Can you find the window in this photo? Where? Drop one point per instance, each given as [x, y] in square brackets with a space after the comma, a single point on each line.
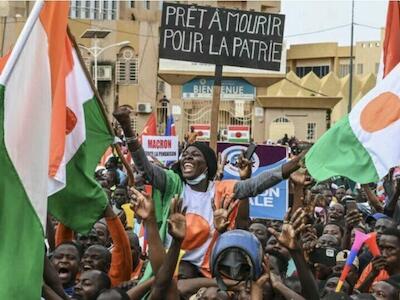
[87, 9]
[344, 69]
[311, 131]
[320, 71]
[78, 9]
[114, 10]
[96, 10]
[132, 3]
[147, 4]
[376, 68]
[360, 69]
[127, 67]
[161, 86]
[281, 120]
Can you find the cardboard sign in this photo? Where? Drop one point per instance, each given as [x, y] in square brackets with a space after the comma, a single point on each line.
[273, 203]
[221, 36]
[164, 148]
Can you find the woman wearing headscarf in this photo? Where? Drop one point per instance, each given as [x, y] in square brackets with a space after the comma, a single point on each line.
[193, 179]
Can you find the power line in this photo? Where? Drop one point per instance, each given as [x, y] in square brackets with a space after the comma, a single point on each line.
[333, 28]
[318, 31]
[368, 26]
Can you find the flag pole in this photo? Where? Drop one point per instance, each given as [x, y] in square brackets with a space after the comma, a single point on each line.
[21, 41]
[351, 59]
[96, 93]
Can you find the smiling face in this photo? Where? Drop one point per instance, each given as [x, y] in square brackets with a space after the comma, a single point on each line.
[192, 163]
[66, 262]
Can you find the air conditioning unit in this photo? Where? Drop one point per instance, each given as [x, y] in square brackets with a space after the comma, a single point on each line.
[104, 73]
[144, 108]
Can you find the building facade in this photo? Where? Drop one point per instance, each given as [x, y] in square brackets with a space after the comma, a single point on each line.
[127, 74]
[303, 98]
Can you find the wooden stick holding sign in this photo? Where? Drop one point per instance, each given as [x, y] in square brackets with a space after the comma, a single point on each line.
[215, 107]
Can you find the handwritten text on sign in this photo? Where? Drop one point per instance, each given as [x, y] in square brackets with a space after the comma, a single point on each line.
[221, 36]
[164, 148]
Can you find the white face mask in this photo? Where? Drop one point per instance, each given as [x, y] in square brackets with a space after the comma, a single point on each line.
[198, 179]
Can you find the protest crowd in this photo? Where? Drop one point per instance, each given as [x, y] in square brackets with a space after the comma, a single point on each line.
[134, 226]
[183, 232]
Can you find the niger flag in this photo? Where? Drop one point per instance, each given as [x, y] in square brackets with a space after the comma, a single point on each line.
[52, 134]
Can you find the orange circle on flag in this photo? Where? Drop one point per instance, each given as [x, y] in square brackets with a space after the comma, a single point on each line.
[197, 231]
[380, 112]
[71, 121]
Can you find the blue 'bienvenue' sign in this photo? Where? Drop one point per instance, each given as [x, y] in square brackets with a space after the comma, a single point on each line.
[272, 203]
[231, 89]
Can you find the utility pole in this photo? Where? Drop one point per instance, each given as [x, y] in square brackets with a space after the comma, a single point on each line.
[351, 58]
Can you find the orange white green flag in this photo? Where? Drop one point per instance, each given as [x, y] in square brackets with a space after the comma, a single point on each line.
[52, 134]
[363, 146]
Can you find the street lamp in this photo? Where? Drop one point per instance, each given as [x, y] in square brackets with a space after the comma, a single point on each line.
[96, 51]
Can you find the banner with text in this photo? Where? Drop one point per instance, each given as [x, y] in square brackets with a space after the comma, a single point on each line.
[221, 36]
[273, 203]
[164, 148]
[231, 89]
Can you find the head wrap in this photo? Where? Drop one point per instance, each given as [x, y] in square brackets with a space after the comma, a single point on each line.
[210, 157]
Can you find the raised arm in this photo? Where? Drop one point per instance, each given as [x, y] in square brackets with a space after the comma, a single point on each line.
[121, 258]
[164, 287]
[153, 173]
[256, 185]
[282, 289]
[143, 207]
[289, 239]
[372, 198]
[393, 198]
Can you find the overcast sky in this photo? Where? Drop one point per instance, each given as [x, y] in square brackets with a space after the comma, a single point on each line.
[309, 16]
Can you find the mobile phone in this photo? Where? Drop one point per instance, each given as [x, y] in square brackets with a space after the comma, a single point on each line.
[250, 151]
[351, 205]
[324, 256]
